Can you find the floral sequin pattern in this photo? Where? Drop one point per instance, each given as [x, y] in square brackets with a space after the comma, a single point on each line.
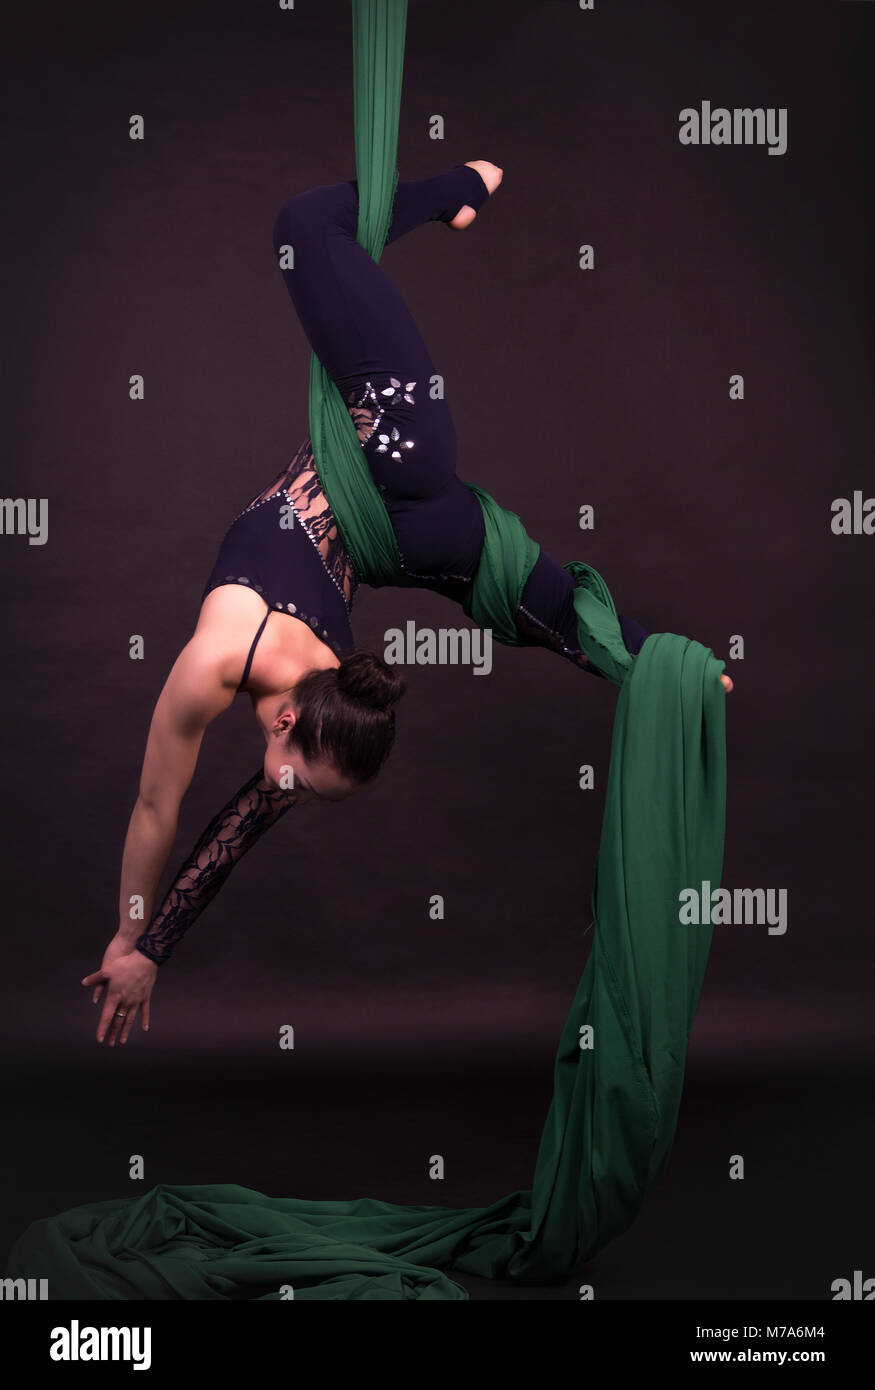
[368, 407]
[393, 444]
[397, 392]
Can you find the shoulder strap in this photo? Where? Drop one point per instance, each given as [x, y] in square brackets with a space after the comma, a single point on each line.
[247, 667]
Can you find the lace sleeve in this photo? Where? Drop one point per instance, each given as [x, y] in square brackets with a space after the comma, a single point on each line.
[252, 810]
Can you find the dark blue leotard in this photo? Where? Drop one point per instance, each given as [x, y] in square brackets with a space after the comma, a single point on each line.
[285, 546]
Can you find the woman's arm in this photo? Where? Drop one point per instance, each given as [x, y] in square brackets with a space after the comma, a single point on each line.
[194, 694]
[128, 972]
[243, 820]
[199, 687]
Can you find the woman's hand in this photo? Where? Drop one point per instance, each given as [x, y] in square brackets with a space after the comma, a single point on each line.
[125, 979]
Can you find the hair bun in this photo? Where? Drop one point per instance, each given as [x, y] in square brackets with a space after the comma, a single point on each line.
[365, 678]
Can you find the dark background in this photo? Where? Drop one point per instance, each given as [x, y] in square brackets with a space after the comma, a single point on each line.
[611, 387]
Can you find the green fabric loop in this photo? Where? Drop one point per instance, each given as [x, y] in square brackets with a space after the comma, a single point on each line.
[506, 561]
[617, 1089]
[598, 628]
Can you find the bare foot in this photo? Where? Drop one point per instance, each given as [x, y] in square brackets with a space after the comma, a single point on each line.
[491, 176]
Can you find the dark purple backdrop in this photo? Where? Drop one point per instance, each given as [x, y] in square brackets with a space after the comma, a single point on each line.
[611, 387]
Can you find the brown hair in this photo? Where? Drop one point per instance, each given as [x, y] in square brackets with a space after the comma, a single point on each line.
[345, 714]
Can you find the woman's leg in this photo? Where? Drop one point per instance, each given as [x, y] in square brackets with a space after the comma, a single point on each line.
[366, 338]
[354, 316]
[546, 615]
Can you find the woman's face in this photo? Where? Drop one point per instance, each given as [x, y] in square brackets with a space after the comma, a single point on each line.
[287, 768]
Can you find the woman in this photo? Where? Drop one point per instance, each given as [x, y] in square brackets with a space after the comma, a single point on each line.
[325, 710]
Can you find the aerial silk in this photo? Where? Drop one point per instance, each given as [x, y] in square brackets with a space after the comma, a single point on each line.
[619, 1067]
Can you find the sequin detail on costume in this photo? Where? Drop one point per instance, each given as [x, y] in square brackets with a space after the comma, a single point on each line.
[388, 396]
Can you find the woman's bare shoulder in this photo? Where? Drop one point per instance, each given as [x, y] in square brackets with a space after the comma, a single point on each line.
[228, 620]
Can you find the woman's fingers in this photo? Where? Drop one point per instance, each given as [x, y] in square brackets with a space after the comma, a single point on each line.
[118, 1022]
[118, 1015]
[108, 1021]
[127, 1022]
[97, 979]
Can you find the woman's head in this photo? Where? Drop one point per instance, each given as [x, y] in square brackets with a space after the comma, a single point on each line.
[338, 728]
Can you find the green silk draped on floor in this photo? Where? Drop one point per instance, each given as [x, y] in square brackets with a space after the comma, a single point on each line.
[609, 1130]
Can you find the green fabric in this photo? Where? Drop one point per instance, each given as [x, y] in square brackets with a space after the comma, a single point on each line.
[378, 61]
[610, 1126]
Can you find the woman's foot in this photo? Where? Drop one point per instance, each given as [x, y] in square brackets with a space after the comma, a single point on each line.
[491, 176]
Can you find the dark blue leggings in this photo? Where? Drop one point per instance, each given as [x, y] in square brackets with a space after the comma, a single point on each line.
[363, 333]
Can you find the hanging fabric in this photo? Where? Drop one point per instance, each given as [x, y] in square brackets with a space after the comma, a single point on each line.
[619, 1067]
